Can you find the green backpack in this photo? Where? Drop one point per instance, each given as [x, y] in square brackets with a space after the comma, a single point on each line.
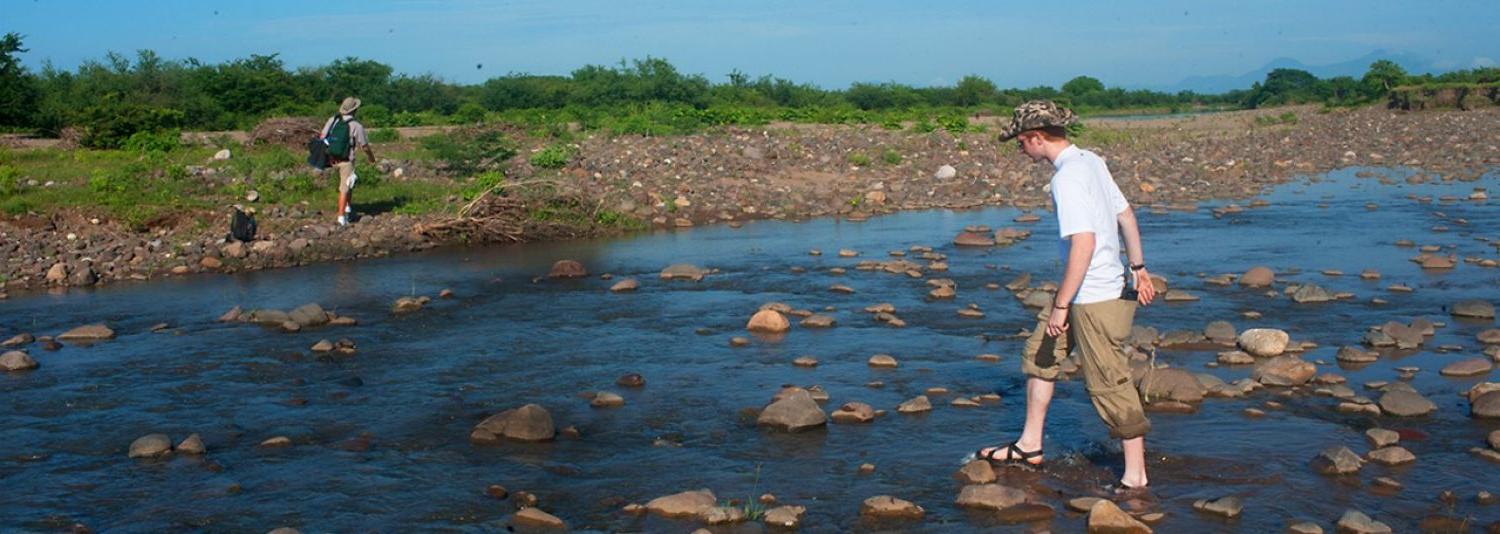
[338, 138]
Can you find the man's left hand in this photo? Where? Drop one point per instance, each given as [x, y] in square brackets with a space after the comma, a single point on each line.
[1144, 287]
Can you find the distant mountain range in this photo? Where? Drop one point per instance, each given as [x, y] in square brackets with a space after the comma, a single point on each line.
[1354, 67]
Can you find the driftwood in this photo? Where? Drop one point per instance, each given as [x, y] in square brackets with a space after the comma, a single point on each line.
[503, 214]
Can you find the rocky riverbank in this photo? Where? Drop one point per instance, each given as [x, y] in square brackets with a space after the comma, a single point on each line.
[791, 172]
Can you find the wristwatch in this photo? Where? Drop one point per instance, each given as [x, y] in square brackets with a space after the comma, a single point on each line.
[1137, 266]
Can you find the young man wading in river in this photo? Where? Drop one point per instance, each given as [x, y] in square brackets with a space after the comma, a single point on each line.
[1092, 310]
[344, 134]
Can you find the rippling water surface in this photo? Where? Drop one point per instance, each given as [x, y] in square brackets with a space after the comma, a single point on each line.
[380, 438]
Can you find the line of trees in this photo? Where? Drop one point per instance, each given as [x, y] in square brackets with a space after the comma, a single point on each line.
[112, 98]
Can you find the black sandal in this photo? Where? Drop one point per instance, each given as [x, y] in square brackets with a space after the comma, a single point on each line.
[1013, 455]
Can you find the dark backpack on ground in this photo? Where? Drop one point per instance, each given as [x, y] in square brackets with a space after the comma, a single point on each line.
[241, 226]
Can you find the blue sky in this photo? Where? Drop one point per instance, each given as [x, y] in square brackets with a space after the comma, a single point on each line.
[832, 43]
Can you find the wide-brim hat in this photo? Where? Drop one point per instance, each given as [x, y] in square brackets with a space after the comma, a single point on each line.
[349, 105]
[1035, 115]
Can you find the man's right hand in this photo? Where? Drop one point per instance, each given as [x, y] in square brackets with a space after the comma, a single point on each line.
[1145, 289]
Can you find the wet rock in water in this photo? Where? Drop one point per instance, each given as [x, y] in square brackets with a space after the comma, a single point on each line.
[971, 239]
[605, 399]
[1171, 384]
[1475, 309]
[1235, 357]
[888, 507]
[24, 338]
[685, 504]
[784, 516]
[842, 289]
[866, 468]
[1337, 461]
[768, 321]
[847, 253]
[722, 515]
[919, 404]
[794, 412]
[276, 442]
[1221, 332]
[884, 307]
[309, 314]
[683, 271]
[407, 305]
[854, 412]
[322, 345]
[1468, 367]
[805, 361]
[883, 361]
[1404, 336]
[1178, 295]
[628, 284]
[1107, 518]
[1494, 439]
[976, 472]
[1258, 277]
[1380, 437]
[631, 380]
[738, 341]
[1284, 371]
[567, 269]
[1486, 405]
[1038, 299]
[1311, 293]
[1392, 455]
[1349, 354]
[817, 321]
[1355, 522]
[1027, 218]
[527, 423]
[1264, 342]
[1401, 403]
[88, 332]
[193, 444]
[151, 446]
[535, 519]
[989, 497]
[942, 293]
[1082, 504]
[1304, 527]
[1229, 507]
[16, 360]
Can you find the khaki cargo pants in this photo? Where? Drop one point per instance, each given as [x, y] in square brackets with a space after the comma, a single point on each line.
[1099, 330]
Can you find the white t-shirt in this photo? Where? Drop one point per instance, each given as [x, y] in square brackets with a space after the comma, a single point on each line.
[1088, 200]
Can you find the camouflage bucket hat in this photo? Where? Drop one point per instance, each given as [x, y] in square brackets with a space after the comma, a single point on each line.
[1037, 114]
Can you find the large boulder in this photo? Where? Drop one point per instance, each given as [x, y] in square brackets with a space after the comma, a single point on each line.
[685, 504]
[1474, 309]
[1171, 384]
[16, 361]
[88, 332]
[1284, 371]
[1258, 277]
[1468, 367]
[534, 519]
[527, 423]
[989, 497]
[1264, 342]
[1337, 461]
[854, 412]
[1106, 517]
[1486, 406]
[567, 269]
[1403, 403]
[794, 412]
[1308, 293]
[151, 446]
[768, 321]
[1221, 332]
[310, 314]
[1356, 522]
[888, 507]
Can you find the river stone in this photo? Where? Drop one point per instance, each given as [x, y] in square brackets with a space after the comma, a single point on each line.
[1489, 336]
[1354, 522]
[402, 305]
[1494, 439]
[1478, 390]
[1378, 338]
[1392, 455]
[1476, 309]
[768, 321]
[989, 497]
[1486, 405]
[1349, 354]
[1221, 332]
[883, 361]
[1405, 336]
[1235, 357]
[1311, 293]
[1337, 461]
[567, 269]
[1038, 299]
[1284, 371]
[193, 444]
[976, 472]
[1258, 277]
[1171, 384]
[722, 515]
[818, 321]
[1304, 527]
[535, 519]
[1468, 367]
[310, 314]
[888, 507]
[1229, 506]
[683, 271]
[605, 399]
[18, 340]
[941, 293]
[971, 239]
[794, 412]
[1380, 437]
[88, 332]
[918, 404]
[625, 285]
[685, 504]
[527, 423]
[151, 446]
[1264, 342]
[1401, 403]
[945, 172]
[784, 516]
[1107, 518]
[854, 412]
[16, 361]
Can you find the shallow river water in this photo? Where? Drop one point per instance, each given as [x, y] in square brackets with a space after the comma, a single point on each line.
[380, 439]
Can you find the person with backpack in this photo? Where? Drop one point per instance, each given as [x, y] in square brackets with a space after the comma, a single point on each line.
[343, 135]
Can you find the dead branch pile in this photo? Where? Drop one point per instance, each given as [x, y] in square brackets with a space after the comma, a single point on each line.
[504, 214]
[292, 132]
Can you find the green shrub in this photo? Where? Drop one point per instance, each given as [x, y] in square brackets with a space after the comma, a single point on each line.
[468, 113]
[10, 181]
[923, 126]
[859, 159]
[109, 125]
[555, 156]
[466, 152]
[148, 142]
[480, 184]
[111, 185]
[891, 157]
[385, 135]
